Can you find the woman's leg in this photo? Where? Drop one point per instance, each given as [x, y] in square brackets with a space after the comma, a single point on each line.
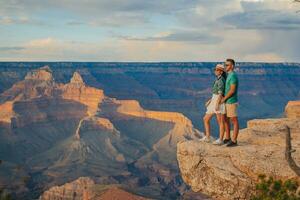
[206, 121]
[221, 122]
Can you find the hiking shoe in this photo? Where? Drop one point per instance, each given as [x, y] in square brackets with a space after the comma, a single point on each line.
[218, 142]
[205, 139]
[231, 144]
[226, 141]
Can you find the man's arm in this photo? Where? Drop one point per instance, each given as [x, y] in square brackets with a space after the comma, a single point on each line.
[230, 92]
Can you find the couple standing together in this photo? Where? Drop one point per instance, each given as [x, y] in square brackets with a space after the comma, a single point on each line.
[223, 104]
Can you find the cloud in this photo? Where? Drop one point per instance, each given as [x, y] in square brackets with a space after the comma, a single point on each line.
[19, 21]
[74, 23]
[281, 42]
[263, 15]
[97, 6]
[270, 57]
[45, 49]
[120, 19]
[180, 36]
[98, 12]
[42, 43]
[157, 30]
[12, 48]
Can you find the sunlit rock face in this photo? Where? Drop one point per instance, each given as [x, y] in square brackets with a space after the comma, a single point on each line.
[292, 109]
[231, 173]
[38, 92]
[63, 131]
[6, 111]
[76, 90]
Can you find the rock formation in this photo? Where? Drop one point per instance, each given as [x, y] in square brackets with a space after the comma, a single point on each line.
[65, 131]
[85, 188]
[75, 190]
[231, 173]
[39, 90]
[94, 123]
[174, 86]
[181, 123]
[76, 90]
[41, 74]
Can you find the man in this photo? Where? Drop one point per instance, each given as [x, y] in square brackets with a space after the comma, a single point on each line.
[231, 103]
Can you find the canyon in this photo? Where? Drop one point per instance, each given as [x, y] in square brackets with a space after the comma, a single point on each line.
[53, 133]
[175, 87]
[132, 129]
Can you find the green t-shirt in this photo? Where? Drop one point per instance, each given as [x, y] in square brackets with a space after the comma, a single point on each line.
[219, 86]
[232, 79]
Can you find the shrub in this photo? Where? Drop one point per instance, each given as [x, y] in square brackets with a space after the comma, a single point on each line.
[4, 195]
[271, 189]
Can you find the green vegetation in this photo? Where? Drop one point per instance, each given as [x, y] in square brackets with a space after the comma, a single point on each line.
[271, 189]
[4, 195]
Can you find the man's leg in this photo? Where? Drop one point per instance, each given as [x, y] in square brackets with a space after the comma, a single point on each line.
[227, 128]
[235, 123]
[206, 121]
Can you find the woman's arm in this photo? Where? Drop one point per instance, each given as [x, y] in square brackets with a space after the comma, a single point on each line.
[221, 88]
[207, 102]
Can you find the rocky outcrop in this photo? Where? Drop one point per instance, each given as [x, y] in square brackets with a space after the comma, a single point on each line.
[39, 91]
[85, 188]
[231, 173]
[41, 74]
[77, 91]
[292, 109]
[95, 123]
[80, 189]
[77, 79]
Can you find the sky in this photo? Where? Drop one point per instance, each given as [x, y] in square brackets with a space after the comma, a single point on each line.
[150, 30]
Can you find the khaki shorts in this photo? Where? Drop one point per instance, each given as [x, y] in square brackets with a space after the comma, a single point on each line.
[231, 109]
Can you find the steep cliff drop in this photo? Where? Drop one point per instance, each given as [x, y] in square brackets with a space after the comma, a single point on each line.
[231, 173]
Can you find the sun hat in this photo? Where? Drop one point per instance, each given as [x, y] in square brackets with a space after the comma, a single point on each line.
[221, 67]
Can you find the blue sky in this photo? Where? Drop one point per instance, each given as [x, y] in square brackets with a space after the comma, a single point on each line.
[143, 30]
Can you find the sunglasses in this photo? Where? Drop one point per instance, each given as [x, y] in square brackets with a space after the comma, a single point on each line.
[218, 70]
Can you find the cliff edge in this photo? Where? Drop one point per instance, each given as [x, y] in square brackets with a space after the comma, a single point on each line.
[231, 173]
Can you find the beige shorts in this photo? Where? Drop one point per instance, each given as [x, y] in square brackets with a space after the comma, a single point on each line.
[231, 109]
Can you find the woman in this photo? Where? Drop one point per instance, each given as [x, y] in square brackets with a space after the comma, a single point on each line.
[214, 106]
